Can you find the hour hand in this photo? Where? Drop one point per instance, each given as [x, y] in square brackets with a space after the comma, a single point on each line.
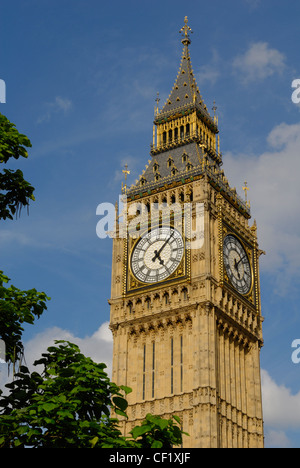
[236, 266]
[157, 256]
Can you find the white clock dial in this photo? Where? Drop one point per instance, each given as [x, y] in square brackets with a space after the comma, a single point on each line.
[237, 264]
[157, 254]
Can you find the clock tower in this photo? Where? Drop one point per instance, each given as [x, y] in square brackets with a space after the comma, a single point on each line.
[185, 295]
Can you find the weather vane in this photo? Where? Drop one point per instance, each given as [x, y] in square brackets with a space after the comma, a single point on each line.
[126, 173]
[246, 188]
[157, 102]
[185, 31]
[214, 108]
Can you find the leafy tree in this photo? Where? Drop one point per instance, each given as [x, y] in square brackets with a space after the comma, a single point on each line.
[16, 306]
[15, 191]
[68, 405]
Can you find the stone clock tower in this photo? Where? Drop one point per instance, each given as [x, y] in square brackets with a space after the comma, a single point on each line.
[185, 297]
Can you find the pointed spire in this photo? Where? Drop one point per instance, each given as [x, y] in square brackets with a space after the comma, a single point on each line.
[185, 94]
[185, 91]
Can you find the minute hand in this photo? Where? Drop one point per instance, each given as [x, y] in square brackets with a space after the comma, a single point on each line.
[240, 260]
[157, 253]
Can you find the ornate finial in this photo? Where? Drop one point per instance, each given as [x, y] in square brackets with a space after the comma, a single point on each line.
[246, 188]
[156, 109]
[214, 108]
[185, 32]
[126, 172]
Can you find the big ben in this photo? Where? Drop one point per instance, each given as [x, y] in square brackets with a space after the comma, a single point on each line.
[185, 295]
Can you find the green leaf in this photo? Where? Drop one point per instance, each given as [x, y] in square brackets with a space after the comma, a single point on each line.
[157, 444]
[22, 430]
[94, 441]
[127, 390]
[49, 420]
[163, 424]
[120, 403]
[62, 398]
[65, 414]
[177, 418]
[121, 413]
[140, 430]
[48, 407]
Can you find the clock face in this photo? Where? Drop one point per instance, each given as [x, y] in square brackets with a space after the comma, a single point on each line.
[237, 264]
[157, 254]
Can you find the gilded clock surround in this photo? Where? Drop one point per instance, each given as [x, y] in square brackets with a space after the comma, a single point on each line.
[157, 254]
[250, 296]
[190, 345]
[131, 284]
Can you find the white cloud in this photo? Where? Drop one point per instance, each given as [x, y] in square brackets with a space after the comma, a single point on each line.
[259, 62]
[274, 193]
[97, 346]
[281, 411]
[62, 104]
[58, 106]
[281, 408]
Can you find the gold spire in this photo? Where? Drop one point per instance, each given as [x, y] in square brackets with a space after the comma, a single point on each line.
[246, 188]
[156, 108]
[214, 108]
[185, 32]
[126, 173]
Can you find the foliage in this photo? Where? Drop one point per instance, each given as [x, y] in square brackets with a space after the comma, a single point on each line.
[15, 191]
[17, 307]
[68, 405]
[156, 432]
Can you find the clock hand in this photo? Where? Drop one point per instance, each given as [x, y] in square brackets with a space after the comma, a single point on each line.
[160, 260]
[236, 267]
[240, 260]
[157, 253]
[157, 256]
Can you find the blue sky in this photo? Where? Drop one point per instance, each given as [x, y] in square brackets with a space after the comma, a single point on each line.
[81, 81]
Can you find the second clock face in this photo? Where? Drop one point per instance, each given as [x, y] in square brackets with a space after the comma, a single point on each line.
[237, 264]
[157, 254]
